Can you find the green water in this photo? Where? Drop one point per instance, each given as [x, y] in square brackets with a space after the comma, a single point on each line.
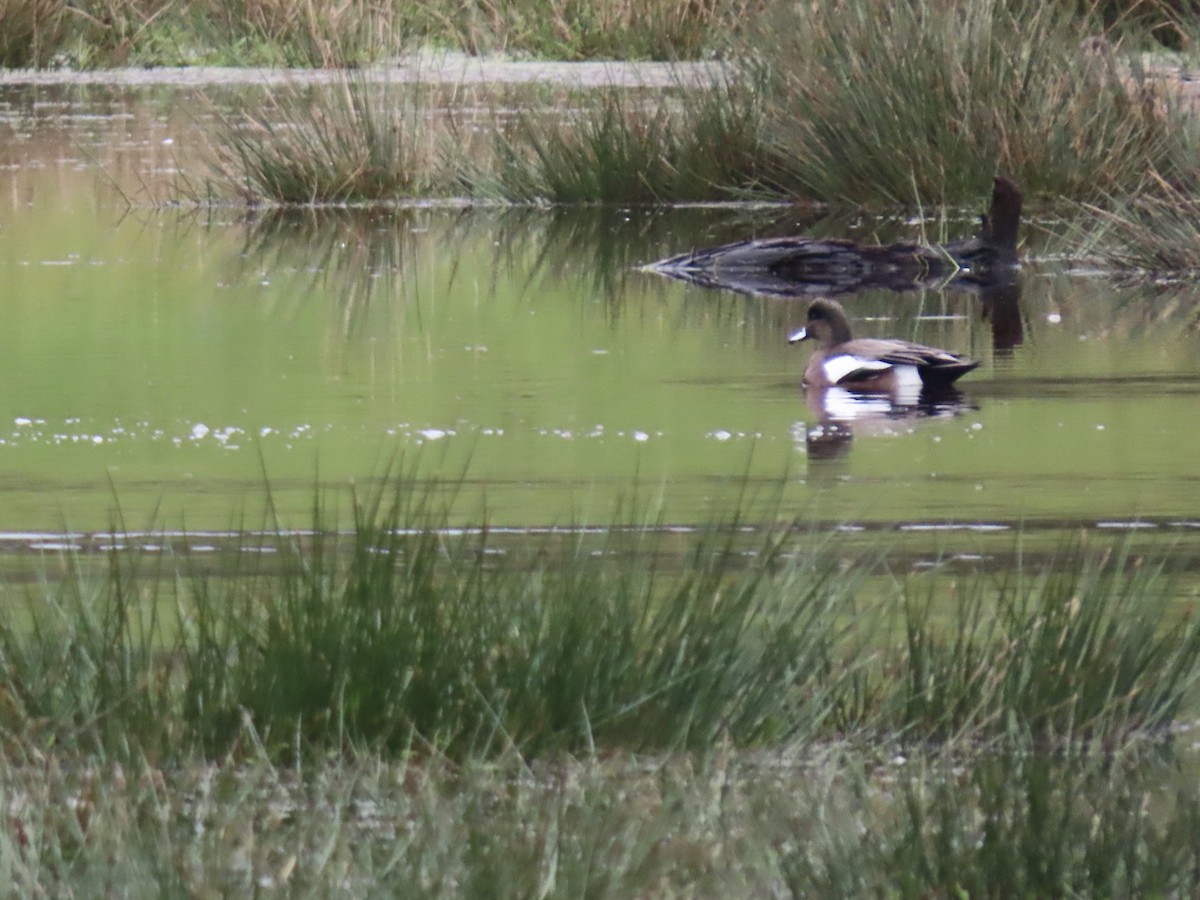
[175, 362]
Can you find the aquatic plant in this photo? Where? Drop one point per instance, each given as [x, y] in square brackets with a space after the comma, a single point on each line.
[360, 141]
[574, 30]
[32, 31]
[403, 632]
[619, 146]
[281, 32]
[928, 100]
[1155, 231]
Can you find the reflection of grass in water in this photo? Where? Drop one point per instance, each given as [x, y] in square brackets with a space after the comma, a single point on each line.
[353, 257]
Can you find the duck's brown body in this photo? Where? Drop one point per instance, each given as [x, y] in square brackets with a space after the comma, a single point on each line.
[870, 364]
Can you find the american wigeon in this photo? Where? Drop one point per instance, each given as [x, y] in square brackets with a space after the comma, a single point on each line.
[870, 364]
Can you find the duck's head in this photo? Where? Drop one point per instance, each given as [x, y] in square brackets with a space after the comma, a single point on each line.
[826, 324]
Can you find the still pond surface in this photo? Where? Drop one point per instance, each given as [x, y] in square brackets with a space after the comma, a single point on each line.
[174, 362]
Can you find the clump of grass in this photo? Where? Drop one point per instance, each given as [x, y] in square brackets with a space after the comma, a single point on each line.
[399, 634]
[930, 99]
[403, 633]
[1002, 825]
[621, 147]
[310, 34]
[925, 100]
[1156, 231]
[1087, 648]
[32, 32]
[576, 29]
[835, 823]
[415, 638]
[363, 142]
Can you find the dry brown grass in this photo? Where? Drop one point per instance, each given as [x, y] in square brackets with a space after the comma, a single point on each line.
[31, 31]
[337, 33]
[311, 33]
[656, 29]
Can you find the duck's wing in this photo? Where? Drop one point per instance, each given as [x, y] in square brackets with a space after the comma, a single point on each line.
[842, 368]
[936, 367]
[902, 353]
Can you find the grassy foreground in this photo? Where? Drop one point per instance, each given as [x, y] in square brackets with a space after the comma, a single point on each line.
[840, 823]
[406, 706]
[401, 706]
[404, 634]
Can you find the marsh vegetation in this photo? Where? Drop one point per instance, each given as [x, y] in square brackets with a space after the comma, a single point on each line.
[823, 104]
[387, 697]
[393, 703]
[100, 33]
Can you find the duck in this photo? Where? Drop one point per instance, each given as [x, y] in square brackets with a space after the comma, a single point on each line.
[870, 364]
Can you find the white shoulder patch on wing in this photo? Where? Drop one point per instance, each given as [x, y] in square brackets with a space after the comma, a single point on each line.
[845, 365]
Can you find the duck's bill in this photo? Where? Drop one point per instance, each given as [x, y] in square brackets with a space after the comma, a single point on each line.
[797, 336]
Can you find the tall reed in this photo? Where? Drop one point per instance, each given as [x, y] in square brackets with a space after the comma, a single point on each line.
[32, 31]
[403, 633]
[1001, 825]
[928, 100]
[1156, 231]
[312, 34]
[618, 146]
[357, 141]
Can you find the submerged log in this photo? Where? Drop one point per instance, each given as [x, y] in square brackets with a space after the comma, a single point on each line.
[802, 266]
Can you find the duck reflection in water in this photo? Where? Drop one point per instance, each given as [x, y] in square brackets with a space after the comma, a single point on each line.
[876, 380]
